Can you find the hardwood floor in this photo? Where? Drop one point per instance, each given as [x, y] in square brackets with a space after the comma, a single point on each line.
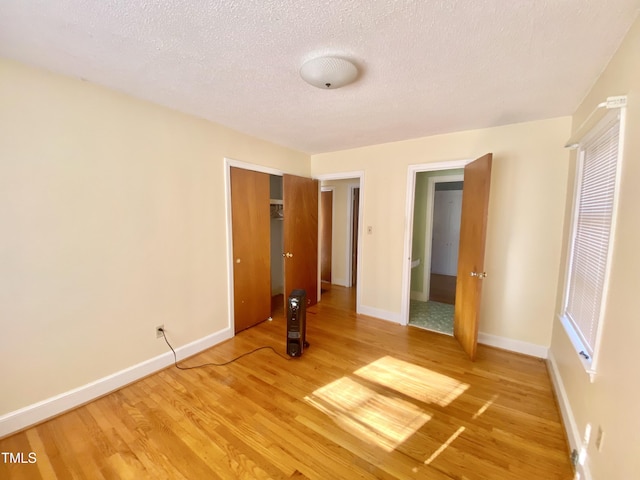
[369, 399]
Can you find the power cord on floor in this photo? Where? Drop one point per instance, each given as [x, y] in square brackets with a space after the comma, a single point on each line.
[212, 364]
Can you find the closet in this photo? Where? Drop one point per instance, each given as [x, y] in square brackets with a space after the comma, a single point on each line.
[275, 241]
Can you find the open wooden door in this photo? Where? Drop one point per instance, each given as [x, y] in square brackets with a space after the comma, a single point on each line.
[300, 198]
[250, 218]
[473, 228]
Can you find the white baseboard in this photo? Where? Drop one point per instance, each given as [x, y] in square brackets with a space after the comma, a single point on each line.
[573, 433]
[381, 314]
[341, 282]
[512, 345]
[485, 338]
[45, 409]
[419, 296]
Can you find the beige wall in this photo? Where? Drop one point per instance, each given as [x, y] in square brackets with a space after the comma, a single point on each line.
[113, 221]
[525, 219]
[341, 229]
[613, 399]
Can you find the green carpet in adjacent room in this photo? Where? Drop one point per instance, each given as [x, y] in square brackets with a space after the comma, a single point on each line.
[432, 316]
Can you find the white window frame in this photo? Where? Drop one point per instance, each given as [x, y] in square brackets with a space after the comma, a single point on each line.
[595, 130]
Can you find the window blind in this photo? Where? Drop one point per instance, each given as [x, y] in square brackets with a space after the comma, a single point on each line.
[592, 229]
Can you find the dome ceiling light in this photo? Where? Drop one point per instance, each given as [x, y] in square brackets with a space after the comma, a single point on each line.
[328, 73]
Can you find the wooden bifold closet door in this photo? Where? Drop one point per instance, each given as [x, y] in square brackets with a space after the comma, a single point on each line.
[250, 217]
[251, 232]
[300, 198]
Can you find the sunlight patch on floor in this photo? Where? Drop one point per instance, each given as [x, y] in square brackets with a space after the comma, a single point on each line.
[412, 380]
[484, 408]
[376, 418]
[380, 415]
[444, 446]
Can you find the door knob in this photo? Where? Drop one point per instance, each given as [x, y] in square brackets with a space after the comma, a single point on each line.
[287, 255]
[479, 274]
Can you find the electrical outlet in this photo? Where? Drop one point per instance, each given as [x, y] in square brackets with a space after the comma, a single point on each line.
[599, 439]
[159, 330]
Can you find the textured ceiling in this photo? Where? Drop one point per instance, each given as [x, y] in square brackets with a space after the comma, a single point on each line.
[427, 67]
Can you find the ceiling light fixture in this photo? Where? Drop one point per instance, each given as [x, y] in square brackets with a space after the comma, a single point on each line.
[328, 72]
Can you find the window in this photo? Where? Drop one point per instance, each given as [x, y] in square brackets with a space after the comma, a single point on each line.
[590, 248]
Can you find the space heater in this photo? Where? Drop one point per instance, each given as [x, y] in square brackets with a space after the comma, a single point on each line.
[296, 323]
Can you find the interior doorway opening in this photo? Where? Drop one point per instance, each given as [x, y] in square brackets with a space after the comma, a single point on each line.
[473, 234]
[276, 234]
[437, 210]
[340, 243]
[326, 235]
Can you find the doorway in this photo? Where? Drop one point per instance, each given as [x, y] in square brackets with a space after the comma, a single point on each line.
[473, 231]
[346, 191]
[326, 242]
[276, 236]
[435, 242]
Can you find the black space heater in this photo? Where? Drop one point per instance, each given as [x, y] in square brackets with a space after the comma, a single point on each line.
[296, 323]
